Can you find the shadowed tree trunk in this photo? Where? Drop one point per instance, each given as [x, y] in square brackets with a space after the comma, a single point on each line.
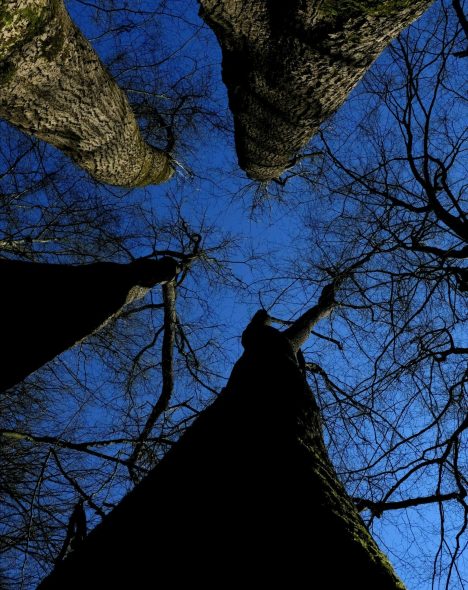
[53, 85]
[288, 66]
[47, 308]
[247, 498]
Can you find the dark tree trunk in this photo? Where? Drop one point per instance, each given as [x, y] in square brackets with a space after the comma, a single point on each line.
[247, 498]
[289, 65]
[47, 308]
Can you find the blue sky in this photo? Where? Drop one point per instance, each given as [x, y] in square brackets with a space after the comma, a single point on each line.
[211, 190]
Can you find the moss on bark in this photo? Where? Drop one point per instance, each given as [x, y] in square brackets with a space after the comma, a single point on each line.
[20, 22]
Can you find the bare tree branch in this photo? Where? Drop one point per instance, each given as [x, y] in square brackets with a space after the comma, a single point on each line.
[377, 508]
[167, 369]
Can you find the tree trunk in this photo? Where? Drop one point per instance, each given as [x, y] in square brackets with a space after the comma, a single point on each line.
[288, 66]
[47, 308]
[247, 498]
[53, 85]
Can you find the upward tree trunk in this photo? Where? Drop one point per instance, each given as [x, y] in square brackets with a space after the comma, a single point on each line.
[53, 85]
[47, 308]
[289, 65]
[247, 498]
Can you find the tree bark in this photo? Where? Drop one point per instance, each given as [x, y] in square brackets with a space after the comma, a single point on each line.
[53, 86]
[288, 66]
[247, 498]
[47, 308]
[299, 332]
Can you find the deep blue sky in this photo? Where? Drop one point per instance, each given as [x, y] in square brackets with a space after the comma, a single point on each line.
[286, 235]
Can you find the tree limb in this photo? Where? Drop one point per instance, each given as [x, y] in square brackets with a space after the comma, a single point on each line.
[378, 507]
[167, 365]
[300, 331]
[64, 444]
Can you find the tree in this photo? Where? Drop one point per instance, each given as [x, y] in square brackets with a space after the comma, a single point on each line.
[68, 304]
[385, 362]
[54, 86]
[400, 202]
[248, 490]
[293, 66]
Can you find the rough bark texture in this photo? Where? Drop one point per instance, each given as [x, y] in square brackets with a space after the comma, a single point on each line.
[53, 85]
[247, 498]
[47, 308]
[289, 65]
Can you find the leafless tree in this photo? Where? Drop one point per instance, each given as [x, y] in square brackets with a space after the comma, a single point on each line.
[366, 274]
[391, 369]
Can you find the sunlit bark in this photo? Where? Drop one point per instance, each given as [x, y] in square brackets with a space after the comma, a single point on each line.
[288, 66]
[53, 86]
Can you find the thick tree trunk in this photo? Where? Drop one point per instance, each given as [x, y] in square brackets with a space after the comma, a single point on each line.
[247, 498]
[47, 308]
[289, 65]
[53, 85]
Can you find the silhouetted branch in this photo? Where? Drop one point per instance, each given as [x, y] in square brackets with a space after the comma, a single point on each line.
[377, 508]
[76, 486]
[167, 368]
[65, 444]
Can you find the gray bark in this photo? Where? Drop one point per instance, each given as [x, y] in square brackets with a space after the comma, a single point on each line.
[289, 65]
[299, 332]
[53, 86]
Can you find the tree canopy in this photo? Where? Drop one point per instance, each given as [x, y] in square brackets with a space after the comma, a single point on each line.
[353, 243]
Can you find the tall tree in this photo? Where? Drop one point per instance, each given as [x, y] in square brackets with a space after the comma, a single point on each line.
[47, 308]
[395, 182]
[53, 85]
[248, 492]
[387, 368]
[289, 66]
